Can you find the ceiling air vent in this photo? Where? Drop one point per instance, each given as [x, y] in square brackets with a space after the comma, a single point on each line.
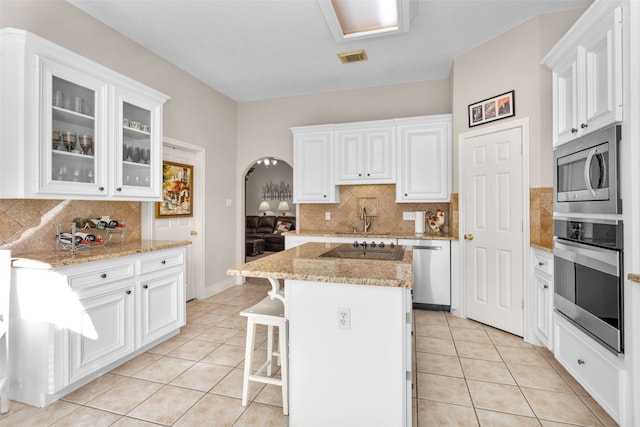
[353, 56]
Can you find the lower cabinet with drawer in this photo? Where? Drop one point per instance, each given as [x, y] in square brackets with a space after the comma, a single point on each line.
[542, 289]
[597, 370]
[73, 324]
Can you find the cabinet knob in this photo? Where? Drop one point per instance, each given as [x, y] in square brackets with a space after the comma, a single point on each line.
[368, 174]
[540, 263]
[1, 318]
[145, 286]
[574, 130]
[163, 262]
[103, 275]
[584, 125]
[119, 189]
[405, 194]
[324, 195]
[101, 188]
[546, 286]
[128, 292]
[359, 174]
[580, 362]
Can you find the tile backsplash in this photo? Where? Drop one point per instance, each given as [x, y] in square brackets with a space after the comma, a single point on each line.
[541, 216]
[383, 211]
[28, 225]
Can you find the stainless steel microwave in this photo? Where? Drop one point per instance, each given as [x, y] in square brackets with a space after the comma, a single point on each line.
[586, 174]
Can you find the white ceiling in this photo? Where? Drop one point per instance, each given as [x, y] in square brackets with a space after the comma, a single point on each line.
[260, 49]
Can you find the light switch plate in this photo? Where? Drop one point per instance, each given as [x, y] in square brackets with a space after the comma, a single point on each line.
[409, 216]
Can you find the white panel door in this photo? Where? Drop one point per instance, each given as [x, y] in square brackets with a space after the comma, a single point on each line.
[493, 271]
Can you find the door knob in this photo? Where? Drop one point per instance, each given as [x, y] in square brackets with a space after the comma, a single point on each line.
[194, 233]
[468, 237]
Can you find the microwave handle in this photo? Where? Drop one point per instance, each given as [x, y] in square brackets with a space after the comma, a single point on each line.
[587, 168]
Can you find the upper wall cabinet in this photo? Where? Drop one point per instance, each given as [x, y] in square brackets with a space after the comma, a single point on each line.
[365, 153]
[313, 173]
[587, 74]
[74, 129]
[424, 159]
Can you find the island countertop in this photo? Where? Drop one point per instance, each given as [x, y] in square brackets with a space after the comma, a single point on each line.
[304, 263]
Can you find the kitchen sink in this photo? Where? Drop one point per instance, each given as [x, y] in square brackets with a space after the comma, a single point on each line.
[387, 253]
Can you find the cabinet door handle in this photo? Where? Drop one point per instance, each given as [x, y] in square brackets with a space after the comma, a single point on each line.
[103, 275]
[128, 292]
[546, 286]
[145, 286]
[580, 362]
[584, 125]
[119, 189]
[540, 263]
[100, 188]
[574, 130]
[163, 262]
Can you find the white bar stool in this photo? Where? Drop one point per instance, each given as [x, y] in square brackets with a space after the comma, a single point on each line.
[269, 312]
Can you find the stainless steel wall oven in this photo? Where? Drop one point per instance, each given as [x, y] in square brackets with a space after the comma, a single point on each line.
[588, 270]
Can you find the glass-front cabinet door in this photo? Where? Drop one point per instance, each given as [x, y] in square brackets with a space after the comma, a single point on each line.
[138, 145]
[73, 152]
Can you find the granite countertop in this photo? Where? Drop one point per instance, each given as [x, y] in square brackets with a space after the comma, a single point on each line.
[634, 277]
[55, 259]
[304, 263]
[357, 235]
[542, 248]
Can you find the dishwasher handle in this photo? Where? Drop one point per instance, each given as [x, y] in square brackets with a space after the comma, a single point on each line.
[429, 248]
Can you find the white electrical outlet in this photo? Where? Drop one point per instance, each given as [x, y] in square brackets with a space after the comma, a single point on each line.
[327, 216]
[409, 216]
[344, 318]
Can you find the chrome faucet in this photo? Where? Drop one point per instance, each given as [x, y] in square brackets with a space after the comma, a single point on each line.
[363, 217]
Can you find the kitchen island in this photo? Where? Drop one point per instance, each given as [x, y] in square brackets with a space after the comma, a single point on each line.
[349, 335]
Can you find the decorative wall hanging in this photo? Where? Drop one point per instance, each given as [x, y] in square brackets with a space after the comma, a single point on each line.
[491, 109]
[280, 191]
[177, 189]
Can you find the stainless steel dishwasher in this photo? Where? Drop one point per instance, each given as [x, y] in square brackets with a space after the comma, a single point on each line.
[431, 274]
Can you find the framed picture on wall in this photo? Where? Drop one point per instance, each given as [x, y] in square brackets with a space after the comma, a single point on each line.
[177, 188]
[491, 109]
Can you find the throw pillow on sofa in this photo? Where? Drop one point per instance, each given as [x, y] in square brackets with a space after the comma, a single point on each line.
[282, 226]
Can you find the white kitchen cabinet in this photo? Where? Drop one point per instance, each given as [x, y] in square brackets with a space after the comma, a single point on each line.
[424, 159]
[313, 167]
[586, 69]
[365, 153]
[68, 113]
[542, 288]
[72, 324]
[598, 371]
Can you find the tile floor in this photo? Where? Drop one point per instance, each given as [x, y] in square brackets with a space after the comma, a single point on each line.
[465, 374]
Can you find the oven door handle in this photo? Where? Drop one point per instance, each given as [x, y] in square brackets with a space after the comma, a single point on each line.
[587, 171]
[604, 260]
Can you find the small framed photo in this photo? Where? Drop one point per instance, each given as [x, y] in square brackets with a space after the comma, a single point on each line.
[491, 109]
[177, 187]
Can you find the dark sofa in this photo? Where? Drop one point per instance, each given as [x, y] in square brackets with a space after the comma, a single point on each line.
[270, 229]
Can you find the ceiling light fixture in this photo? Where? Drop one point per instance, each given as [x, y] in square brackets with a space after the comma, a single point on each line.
[267, 161]
[355, 19]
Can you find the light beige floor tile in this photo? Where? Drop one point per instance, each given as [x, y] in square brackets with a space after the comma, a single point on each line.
[240, 339]
[30, 416]
[213, 411]
[217, 334]
[260, 415]
[423, 318]
[125, 396]
[89, 417]
[228, 355]
[435, 345]
[522, 356]
[164, 370]
[443, 389]
[434, 331]
[168, 346]
[231, 386]
[471, 335]
[475, 350]
[13, 408]
[234, 322]
[167, 405]
[192, 316]
[547, 423]
[458, 322]
[486, 370]
[228, 309]
[194, 350]
[503, 338]
[133, 422]
[499, 397]
[201, 376]
[439, 364]
[93, 389]
[566, 376]
[210, 319]
[600, 413]
[270, 395]
[134, 365]
[192, 330]
[439, 414]
[499, 419]
[541, 378]
[561, 407]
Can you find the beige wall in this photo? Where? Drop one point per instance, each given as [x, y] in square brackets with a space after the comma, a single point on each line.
[511, 61]
[195, 113]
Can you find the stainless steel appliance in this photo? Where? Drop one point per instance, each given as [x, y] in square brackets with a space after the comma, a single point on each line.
[588, 285]
[432, 274]
[586, 174]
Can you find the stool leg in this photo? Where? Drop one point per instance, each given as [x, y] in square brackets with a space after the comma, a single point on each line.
[248, 354]
[284, 367]
[269, 348]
